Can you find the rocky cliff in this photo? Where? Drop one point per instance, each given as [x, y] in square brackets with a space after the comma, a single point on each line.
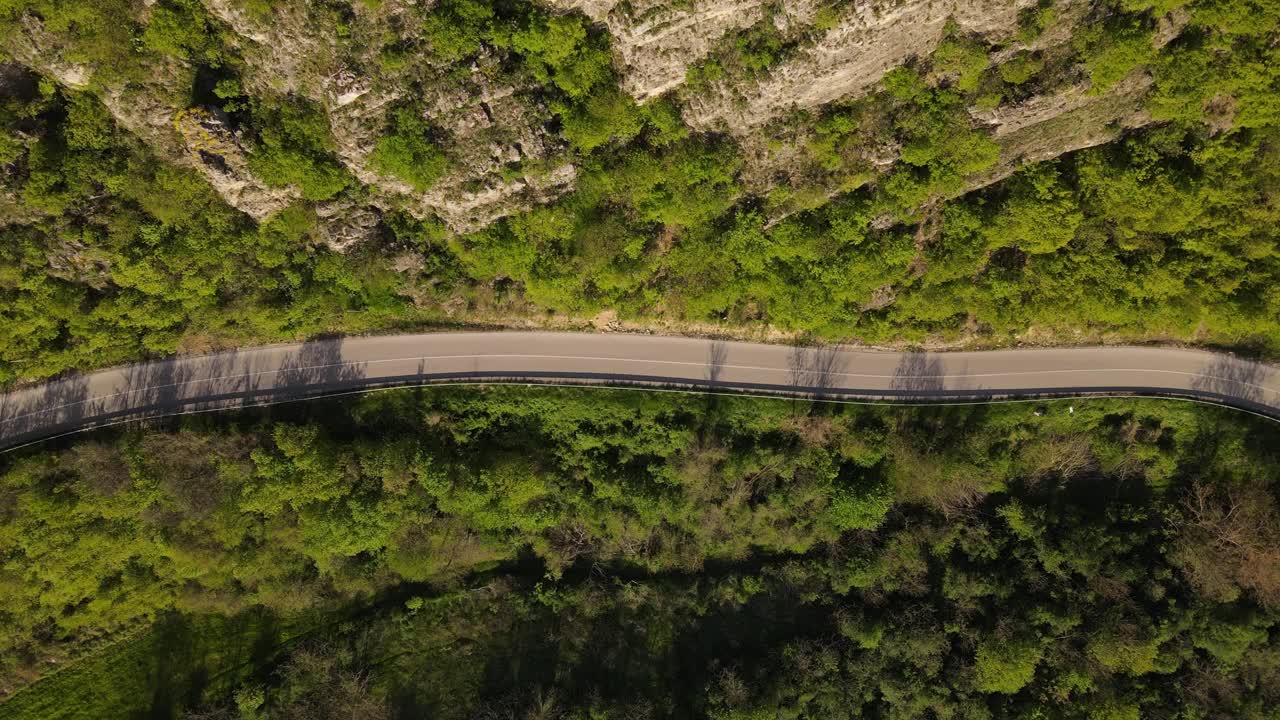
[505, 153]
[490, 124]
[657, 40]
[869, 40]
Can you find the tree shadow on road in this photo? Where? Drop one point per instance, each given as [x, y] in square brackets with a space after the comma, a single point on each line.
[153, 386]
[55, 407]
[717, 352]
[918, 373]
[318, 365]
[1231, 377]
[815, 369]
[176, 386]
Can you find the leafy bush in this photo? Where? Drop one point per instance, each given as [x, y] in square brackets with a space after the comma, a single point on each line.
[1040, 215]
[1033, 21]
[965, 59]
[1113, 50]
[759, 47]
[1021, 68]
[295, 148]
[455, 29]
[939, 146]
[1005, 665]
[182, 28]
[559, 49]
[1155, 7]
[862, 509]
[1124, 646]
[604, 117]
[407, 150]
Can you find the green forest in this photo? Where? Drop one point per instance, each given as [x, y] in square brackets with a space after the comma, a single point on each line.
[185, 176]
[540, 553]
[116, 246]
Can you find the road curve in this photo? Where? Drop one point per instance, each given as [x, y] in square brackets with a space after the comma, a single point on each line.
[279, 372]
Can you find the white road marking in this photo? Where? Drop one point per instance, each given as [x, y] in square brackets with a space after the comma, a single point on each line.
[592, 358]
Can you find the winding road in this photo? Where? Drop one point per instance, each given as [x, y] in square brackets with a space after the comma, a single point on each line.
[274, 373]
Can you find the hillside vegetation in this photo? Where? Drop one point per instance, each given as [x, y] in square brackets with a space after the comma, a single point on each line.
[698, 556]
[181, 175]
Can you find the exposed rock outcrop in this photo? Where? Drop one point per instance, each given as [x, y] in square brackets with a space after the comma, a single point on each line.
[1067, 16]
[502, 159]
[346, 224]
[290, 53]
[357, 114]
[75, 262]
[1074, 99]
[847, 61]
[222, 159]
[1073, 118]
[1046, 127]
[40, 50]
[656, 40]
[150, 111]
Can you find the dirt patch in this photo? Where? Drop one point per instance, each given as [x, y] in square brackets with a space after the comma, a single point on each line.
[606, 321]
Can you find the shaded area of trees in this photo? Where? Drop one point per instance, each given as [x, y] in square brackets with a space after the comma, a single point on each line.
[986, 558]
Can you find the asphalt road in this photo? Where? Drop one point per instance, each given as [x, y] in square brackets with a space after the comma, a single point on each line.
[282, 372]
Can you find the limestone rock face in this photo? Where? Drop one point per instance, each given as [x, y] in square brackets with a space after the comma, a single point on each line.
[1045, 127]
[75, 262]
[502, 159]
[38, 49]
[873, 38]
[504, 155]
[221, 158]
[346, 224]
[656, 40]
[192, 139]
[1072, 118]
[289, 51]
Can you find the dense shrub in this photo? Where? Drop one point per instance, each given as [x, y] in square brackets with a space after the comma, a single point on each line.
[1079, 581]
[295, 148]
[407, 150]
[1114, 49]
